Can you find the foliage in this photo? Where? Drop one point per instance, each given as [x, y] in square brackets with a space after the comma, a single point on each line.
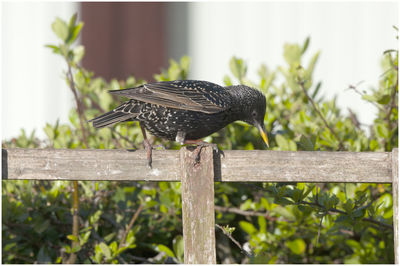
[276, 223]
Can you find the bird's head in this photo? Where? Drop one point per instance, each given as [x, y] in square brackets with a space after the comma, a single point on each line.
[253, 101]
[257, 113]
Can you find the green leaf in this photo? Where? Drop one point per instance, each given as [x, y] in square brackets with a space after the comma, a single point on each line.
[185, 63]
[282, 142]
[49, 132]
[266, 204]
[238, 68]
[227, 80]
[114, 247]
[72, 237]
[316, 90]
[60, 28]
[41, 226]
[382, 130]
[55, 48]
[348, 206]
[105, 250]
[307, 144]
[163, 248]
[72, 21]
[163, 209]
[247, 227]
[297, 246]
[369, 98]
[297, 193]
[84, 238]
[384, 201]
[262, 223]
[74, 31]
[98, 254]
[292, 54]
[130, 238]
[177, 245]
[384, 99]
[78, 53]
[76, 248]
[43, 256]
[305, 45]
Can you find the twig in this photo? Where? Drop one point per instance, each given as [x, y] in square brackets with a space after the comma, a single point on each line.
[123, 137]
[75, 219]
[233, 240]
[75, 223]
[139, 259]
[121, 244]
[319, 231]
[354, 88]
[79, 107]
[334, 210]
[301, 83]
[354, 119]
[97, 106]
[244, 213]
[392, 104]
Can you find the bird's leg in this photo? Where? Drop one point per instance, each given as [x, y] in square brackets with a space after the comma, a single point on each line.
[200, 145]
[147, 146]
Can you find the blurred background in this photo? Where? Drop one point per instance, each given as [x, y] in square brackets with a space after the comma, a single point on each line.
[138, 39]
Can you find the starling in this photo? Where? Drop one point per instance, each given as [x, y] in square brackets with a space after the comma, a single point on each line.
[186, 110]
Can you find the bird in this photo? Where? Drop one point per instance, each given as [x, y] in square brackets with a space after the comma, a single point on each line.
[186, 111]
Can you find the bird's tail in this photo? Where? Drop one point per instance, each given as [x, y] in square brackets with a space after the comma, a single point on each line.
[111, 118]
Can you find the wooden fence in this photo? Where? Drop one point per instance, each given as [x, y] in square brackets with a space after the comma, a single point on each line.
[198, 179]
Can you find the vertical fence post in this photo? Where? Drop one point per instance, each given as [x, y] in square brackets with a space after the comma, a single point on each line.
[395, 191]
[198, 207]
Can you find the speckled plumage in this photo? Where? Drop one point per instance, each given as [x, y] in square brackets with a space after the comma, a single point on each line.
[187, 109]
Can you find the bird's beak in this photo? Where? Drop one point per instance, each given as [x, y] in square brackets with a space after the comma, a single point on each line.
[263, 135]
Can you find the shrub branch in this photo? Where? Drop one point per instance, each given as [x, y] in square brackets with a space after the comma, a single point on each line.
[334, 210]
[301, 83]
[244, 213]
[229, 235]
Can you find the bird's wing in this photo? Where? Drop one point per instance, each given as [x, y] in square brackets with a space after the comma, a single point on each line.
[193, 95]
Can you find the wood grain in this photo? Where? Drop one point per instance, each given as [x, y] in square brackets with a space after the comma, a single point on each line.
[198, 207]
[236, 166]
[112, 165]
[305, 166]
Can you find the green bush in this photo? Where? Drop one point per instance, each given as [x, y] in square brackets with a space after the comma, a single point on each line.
[275, 223]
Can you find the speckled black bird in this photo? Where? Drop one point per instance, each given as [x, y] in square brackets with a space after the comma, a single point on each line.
[186, 110]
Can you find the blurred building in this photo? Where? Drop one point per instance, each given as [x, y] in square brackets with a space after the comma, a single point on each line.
[138, 39]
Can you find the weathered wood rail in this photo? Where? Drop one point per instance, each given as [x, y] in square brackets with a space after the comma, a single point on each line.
[198, 180]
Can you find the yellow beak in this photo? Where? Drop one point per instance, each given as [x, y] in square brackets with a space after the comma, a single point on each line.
[263, 135]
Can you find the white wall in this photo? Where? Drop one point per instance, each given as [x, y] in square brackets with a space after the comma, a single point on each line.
[33, 91]
[352, 37]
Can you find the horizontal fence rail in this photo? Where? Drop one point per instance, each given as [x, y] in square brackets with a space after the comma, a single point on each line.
[198, 179]
[235, 166]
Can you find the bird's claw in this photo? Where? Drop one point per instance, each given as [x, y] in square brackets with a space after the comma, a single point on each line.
[200, 146]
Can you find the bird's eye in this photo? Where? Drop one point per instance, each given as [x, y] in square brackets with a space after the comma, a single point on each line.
[254, 113]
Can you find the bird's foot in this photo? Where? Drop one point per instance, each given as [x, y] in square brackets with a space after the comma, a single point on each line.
[200, 145]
